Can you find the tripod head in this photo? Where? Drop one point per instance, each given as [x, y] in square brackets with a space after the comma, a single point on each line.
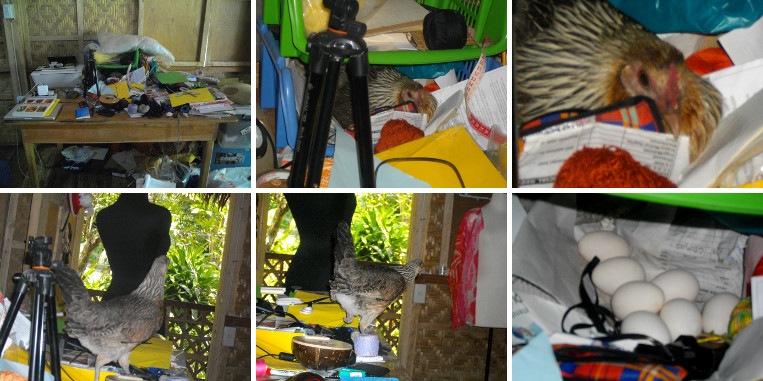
[342, 17]
[38, 253]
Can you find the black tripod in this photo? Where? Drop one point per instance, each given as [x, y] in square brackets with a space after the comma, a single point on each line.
[328, 49]
[44, 312]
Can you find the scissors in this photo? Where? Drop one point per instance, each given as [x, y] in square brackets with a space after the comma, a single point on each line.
[184, 90]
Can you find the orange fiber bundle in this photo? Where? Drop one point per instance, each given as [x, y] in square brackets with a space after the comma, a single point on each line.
[396, 132]
[609, 167]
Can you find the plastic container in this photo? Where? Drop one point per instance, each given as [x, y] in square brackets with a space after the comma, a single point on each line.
[487, 17]
[230, 157]
[229, 135]
[277, 89]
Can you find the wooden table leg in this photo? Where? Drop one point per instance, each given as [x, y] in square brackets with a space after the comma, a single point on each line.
[206, 162]
[31, 163]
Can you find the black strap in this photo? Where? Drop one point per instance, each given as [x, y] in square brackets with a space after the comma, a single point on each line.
[599, 315]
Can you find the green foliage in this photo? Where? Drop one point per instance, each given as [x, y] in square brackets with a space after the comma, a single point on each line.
[380, 227]
[197, 236]
[192, 275]
[281, 235]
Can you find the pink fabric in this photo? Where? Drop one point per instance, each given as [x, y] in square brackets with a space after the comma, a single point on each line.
[462, 277]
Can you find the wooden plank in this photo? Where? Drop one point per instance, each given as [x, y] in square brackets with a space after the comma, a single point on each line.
[177, 25]
[263, 200]
[235, 237]
[205, 33]
[230, 30]
[110, 133]
[80, 25]
[141, 9]
[10, 225]
[447, 217]
[9, 44]
[420, 212]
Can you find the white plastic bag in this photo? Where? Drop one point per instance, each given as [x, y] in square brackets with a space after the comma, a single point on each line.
[112, 43]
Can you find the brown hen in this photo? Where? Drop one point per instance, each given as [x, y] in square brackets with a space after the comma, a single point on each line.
[573, 54]
[113, 328]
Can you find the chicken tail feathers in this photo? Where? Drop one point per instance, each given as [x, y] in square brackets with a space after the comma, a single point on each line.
[69, 282]
[343, 245]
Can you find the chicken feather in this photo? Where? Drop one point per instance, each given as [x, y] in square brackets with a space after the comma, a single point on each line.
[366, 290]
[112, 329]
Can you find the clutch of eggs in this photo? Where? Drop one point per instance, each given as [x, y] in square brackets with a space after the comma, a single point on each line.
[662, 308]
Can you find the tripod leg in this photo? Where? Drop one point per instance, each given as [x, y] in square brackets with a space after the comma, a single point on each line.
[306, 128]
[52, 334]
[36, 339]
[21, 289]
[317, 151]
[358, 69]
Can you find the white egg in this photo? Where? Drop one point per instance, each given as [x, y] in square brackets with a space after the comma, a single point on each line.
[608, 275]
[646, 323]
[602, 244]
[677, 283]
[637, 296]
[717, 313]
[682, 317]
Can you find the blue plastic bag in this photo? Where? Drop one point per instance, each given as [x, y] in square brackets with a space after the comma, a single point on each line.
[693, 16]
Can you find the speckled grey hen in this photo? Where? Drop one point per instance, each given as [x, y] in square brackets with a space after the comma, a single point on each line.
[113, 328]
[366, 290]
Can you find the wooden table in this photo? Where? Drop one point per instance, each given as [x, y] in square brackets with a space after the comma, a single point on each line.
[118, 129]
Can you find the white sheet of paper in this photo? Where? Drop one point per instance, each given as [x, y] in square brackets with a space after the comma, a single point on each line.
[100, 153]
[138, 75]
[489, 104]
[738, 83]
[736, 140]
[125, 159]
[744, 44]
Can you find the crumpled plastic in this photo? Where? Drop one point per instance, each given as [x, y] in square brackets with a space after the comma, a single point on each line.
[235, 177]
[113, 43]
[692, 16]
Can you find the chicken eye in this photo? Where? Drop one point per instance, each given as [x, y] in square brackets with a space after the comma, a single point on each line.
[642, 77]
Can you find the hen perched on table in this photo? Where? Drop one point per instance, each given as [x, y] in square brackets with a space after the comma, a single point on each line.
[366, 290]
[573, 54]
[113, 328]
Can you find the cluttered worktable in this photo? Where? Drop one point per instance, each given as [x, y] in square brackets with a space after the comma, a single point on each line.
[119, 128]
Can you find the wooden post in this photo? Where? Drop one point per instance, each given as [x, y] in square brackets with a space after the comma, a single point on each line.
[235, 237]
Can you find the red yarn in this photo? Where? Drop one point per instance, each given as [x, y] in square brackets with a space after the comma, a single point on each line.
[396, 132]
[609, 167]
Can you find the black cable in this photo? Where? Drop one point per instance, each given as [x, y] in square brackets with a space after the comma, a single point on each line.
[430, 159]
[264, 131]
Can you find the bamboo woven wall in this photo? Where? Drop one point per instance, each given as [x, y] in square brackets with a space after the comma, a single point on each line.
[439, 352]
[53, 26]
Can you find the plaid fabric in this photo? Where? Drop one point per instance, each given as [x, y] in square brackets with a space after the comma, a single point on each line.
[632, 113]
[600, 370]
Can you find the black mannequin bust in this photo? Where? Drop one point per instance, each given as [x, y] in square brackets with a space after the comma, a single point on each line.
[316, 217]
[134, 232]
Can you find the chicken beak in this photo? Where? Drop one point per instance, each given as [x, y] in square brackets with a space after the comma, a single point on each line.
[672, 122]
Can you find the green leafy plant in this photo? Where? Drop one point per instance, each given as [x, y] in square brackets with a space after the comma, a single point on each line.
[380, 227]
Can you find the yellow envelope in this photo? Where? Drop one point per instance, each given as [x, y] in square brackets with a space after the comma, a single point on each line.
[121, 88]
[193, 95]
[453, 145]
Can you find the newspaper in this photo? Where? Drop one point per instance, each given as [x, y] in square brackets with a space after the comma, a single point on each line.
[545, 152]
